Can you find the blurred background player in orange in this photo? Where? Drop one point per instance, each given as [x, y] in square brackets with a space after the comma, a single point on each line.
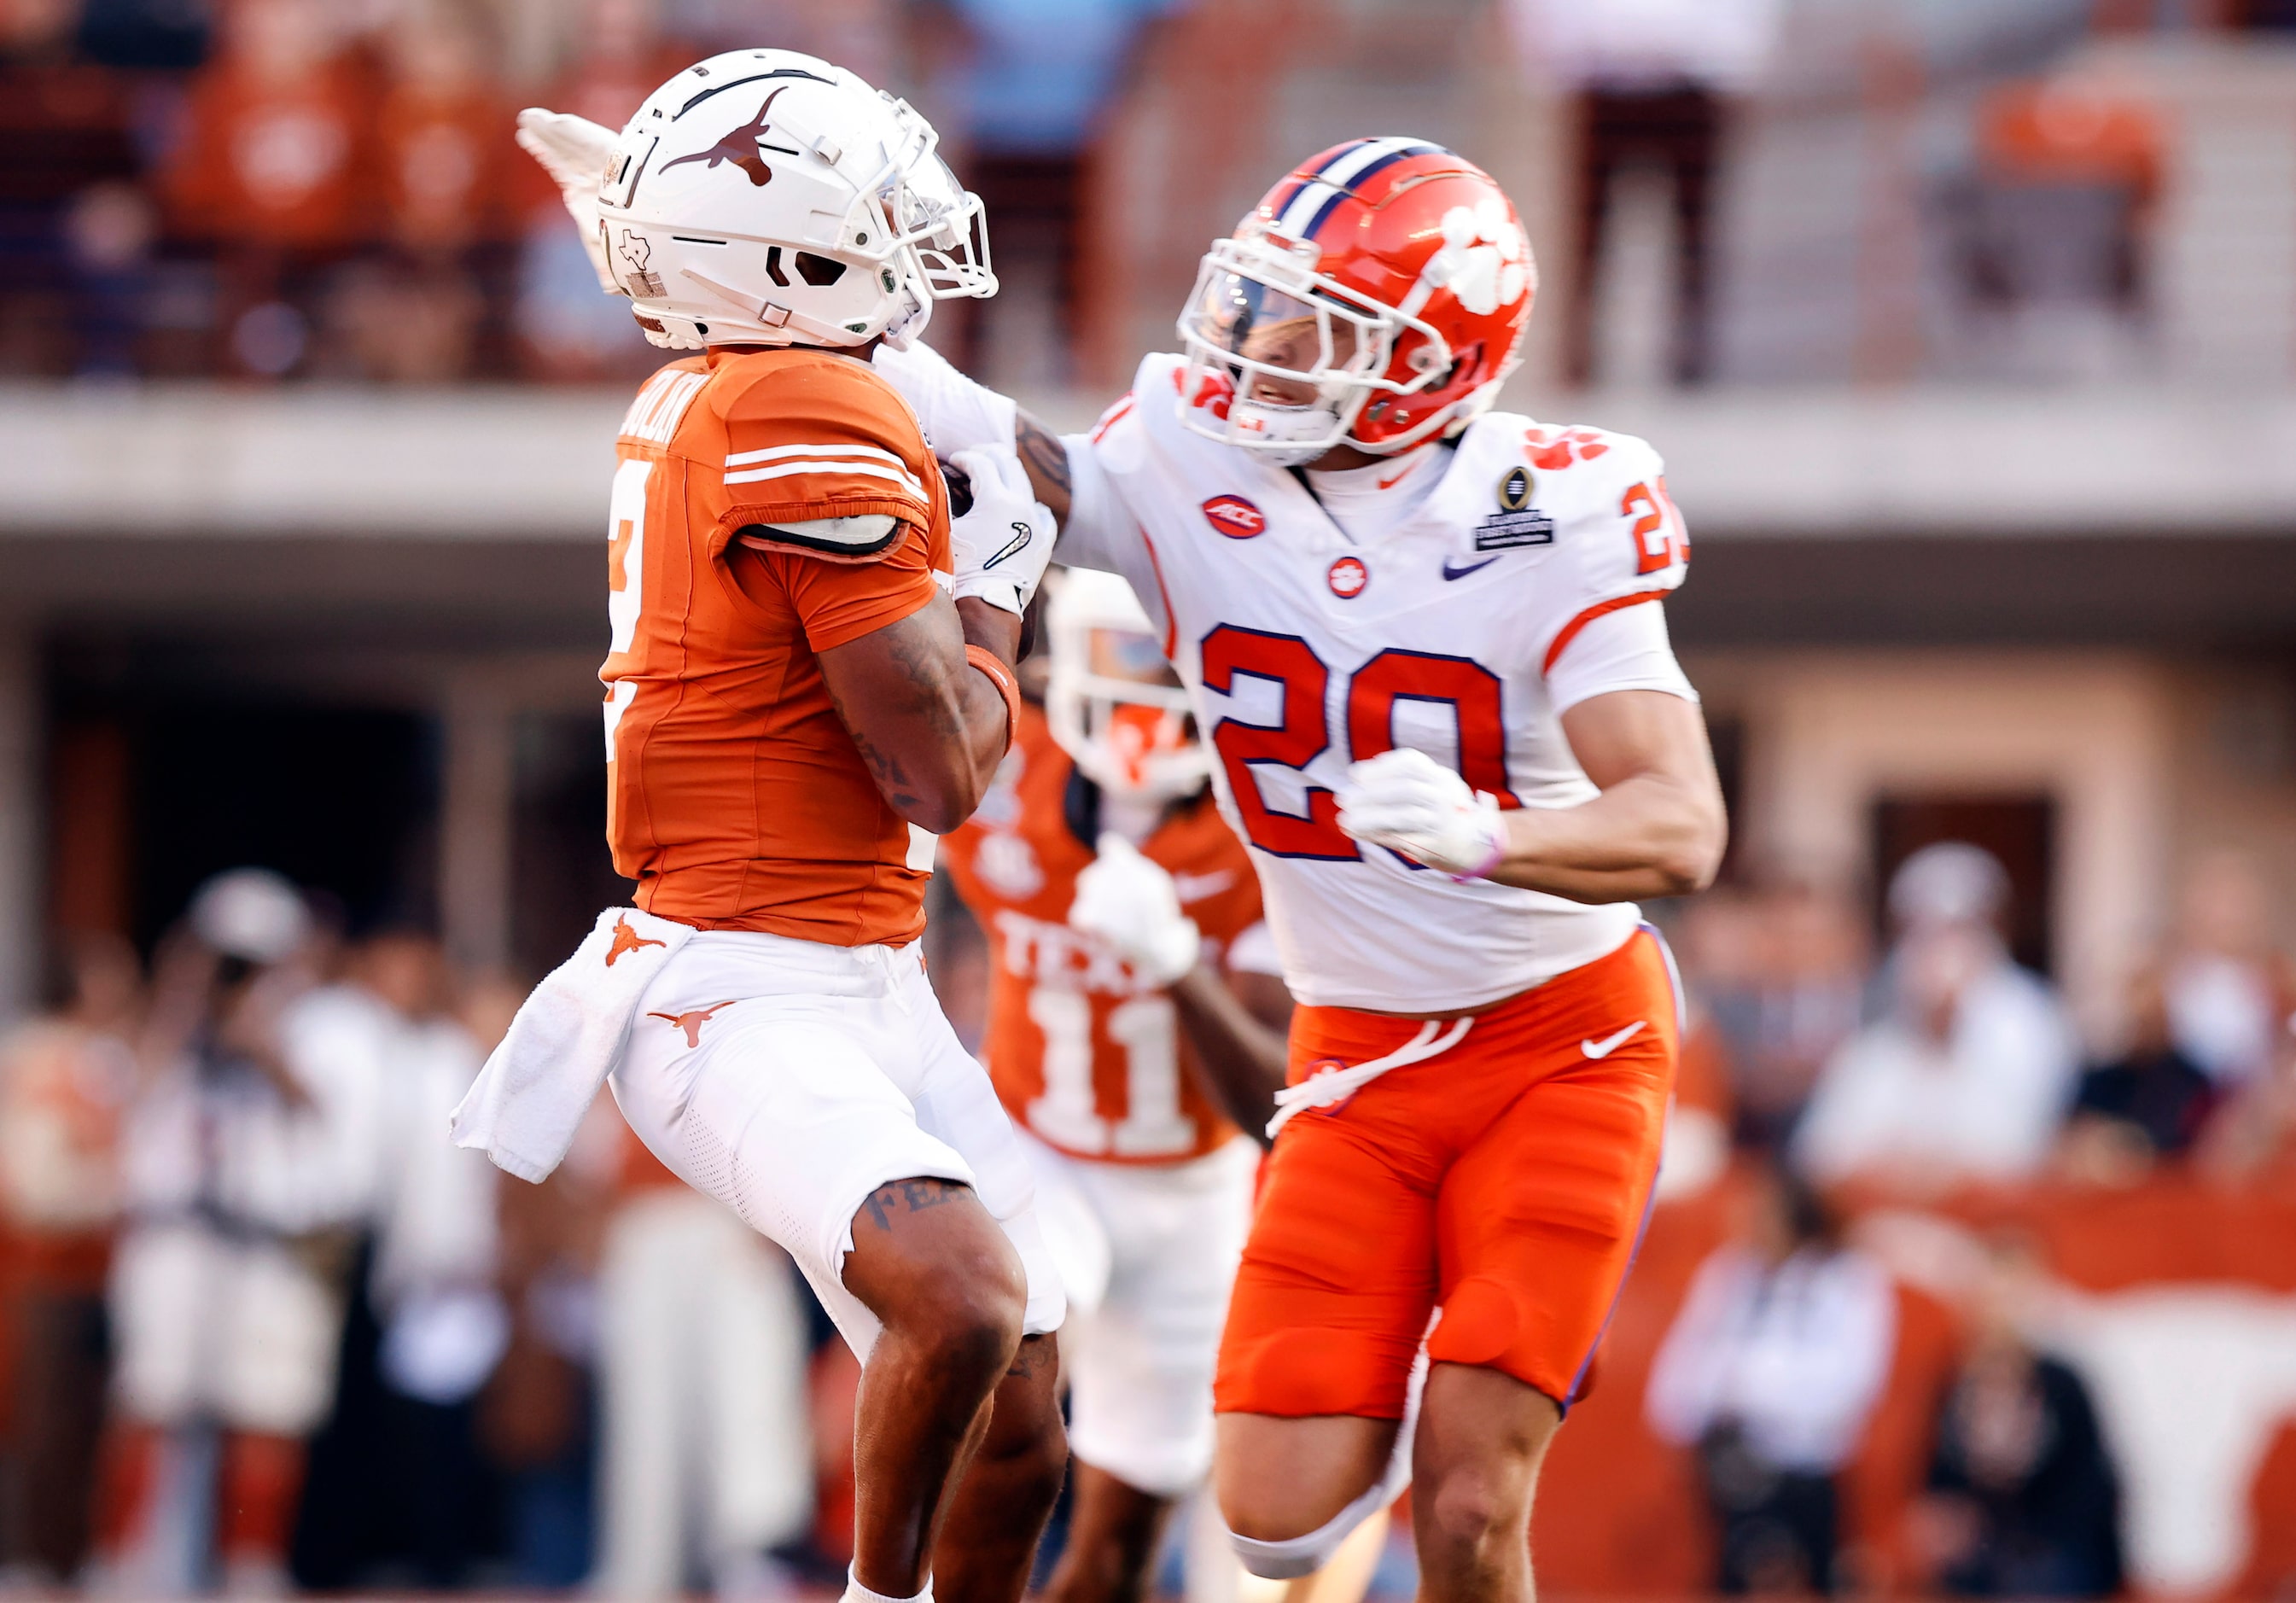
[1128, 1062]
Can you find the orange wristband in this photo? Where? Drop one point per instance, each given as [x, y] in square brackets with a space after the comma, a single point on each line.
[1000, 675]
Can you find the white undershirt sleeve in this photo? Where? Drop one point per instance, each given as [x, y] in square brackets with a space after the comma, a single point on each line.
[1626, 649]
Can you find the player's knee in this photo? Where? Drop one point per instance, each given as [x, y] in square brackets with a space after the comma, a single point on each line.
[1468, 1509]
[969, 1315]
[1281, 1539]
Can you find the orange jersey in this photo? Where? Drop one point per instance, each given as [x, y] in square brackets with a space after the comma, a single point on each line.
[736, 798]
[1086, 1056]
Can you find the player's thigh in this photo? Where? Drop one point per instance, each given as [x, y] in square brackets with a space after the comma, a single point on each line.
[783, 1110]
[957, 1104]
[1337, 1279]
[1141, 1365]
[1540, 1218]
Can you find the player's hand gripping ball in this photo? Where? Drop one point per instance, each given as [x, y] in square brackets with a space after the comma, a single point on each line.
[1133, 905]
[1406, 802]
[574, 152]
[1002, 543]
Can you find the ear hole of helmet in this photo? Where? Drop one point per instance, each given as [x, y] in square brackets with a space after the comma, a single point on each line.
[819, 271]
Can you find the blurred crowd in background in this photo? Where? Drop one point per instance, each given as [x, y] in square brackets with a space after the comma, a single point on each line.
[327, 188]
[260, 1327]
[264, 1326]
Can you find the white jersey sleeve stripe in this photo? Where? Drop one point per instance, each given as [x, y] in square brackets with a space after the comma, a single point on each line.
[900, 476]
[782, 453]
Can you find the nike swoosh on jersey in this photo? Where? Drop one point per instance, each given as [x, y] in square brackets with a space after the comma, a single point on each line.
[1611, 1043]
[1451, 573]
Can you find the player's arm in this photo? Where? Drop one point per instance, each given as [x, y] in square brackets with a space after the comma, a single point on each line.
[959, 414]
[1627, 711]
[932, 726]
[929, 697]
[1237, 1022]
[1658, 827]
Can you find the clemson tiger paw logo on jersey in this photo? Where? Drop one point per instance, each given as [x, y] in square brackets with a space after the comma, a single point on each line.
[1554, 449]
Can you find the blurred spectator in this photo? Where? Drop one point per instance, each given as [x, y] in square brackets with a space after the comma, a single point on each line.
[248, 1161]
[1026, 107]
[702, 1375]
[67, 124]
[1783, 976]
[2023, 1501]
[2227, 984]
[1969, 1071]
[567, 331]
[65, 1080]
[444, 1324]
[2066, 180]
[1654, 79]
[274, 173]
[538, 1416]
[444, 153]
[2148, 1105]
[1771, 1371]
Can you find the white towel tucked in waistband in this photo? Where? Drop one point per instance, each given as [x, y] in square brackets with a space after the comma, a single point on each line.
[529, 1100]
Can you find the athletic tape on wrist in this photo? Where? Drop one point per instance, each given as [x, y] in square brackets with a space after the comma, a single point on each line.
[1000, 675]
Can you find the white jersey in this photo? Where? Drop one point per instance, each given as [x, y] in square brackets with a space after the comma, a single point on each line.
[1508, 592]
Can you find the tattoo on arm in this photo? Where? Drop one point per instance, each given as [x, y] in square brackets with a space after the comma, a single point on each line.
[1047, 462]
[1038, 1353]
[913, 1195]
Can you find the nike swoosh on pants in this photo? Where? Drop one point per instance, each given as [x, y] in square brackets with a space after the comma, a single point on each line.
[1611, 1043]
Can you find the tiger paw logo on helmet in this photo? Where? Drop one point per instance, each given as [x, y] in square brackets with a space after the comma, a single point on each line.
[1485, 256]
[1374, 298]
[1554, 449]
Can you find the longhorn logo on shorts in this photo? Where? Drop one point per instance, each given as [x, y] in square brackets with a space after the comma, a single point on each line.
[692, 1023]
[627, 940]
[1348, 576]
[1236, 517]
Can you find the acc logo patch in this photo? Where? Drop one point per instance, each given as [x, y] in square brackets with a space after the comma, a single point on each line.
[1236, 517]
[1348, 576]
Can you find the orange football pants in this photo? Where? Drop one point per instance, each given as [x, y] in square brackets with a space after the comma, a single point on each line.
[1505, 1182]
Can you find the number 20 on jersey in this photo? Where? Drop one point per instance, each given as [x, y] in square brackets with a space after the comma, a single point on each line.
[1304, 733]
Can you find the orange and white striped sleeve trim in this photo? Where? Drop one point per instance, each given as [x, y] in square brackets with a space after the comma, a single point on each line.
[823, 441]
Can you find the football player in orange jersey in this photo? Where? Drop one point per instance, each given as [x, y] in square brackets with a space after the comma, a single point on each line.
[812, 675]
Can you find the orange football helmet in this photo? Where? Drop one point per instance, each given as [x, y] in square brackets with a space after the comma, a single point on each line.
[1376, 298]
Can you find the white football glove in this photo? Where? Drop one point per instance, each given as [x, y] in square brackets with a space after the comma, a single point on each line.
[1131, 904]
[1406, 802]
[999, 548]
[957, 414]
[576, 152]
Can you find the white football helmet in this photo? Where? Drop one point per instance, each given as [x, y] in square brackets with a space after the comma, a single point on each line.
[1114, 704]
[768, 197]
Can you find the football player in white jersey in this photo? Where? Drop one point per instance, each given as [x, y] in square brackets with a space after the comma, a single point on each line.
[1428, 644]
